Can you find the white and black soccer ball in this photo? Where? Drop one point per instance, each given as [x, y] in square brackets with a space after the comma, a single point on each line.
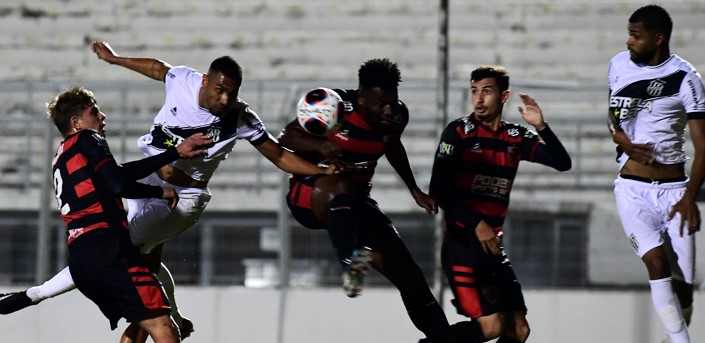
[320, 111]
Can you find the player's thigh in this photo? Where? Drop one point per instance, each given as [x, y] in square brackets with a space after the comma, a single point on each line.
[156, 221]
[641, 222]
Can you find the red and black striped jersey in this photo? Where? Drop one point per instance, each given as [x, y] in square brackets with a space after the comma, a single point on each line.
[83, 199]
[475, 166]
[361, 144]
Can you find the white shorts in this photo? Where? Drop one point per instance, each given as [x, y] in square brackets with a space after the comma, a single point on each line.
[152, 221]
[643, 209]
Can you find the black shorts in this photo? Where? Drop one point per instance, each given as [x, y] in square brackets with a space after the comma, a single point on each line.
[110, 271]
[483, 284]
[375, 228]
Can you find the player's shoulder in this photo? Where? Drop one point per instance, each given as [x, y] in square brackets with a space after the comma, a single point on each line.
[517, 130]
[89, 139]
[620, 60]
[349, 97]
[181, 71]
[466, 124]
[622, 56]
[90, 135]
[682, 64]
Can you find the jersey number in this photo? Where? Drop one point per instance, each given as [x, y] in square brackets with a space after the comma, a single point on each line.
[58, 186]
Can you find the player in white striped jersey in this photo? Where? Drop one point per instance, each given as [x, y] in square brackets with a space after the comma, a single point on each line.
[206, 103]
[654, 95]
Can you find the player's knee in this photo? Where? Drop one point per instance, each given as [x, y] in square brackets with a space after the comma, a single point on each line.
[492, 327]
[522, 331]
[657, 264]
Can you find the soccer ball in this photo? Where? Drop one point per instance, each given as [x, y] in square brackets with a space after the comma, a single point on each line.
[320, 111]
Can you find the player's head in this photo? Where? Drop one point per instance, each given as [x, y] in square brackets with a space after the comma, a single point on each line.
[75, 109]
[378, 96]
[489, 89]
[220, 85]
[649, 34]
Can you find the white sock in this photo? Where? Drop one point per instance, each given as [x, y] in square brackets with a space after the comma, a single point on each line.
[59, 284]
[669, 310]
[168, 282]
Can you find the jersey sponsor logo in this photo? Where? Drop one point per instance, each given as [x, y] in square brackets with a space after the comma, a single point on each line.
[343, 134]
[476, 149]
[627, 107]
[491, 185]
[445, 149]
[655, 88]
[513, 149]
[172, 139]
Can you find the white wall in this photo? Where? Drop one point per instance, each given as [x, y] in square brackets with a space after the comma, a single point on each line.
[236, 314]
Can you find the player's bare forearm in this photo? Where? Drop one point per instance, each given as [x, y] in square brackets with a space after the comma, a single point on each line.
[150, 67]
[287, 160]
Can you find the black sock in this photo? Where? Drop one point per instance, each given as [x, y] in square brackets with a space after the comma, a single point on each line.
[505, 339]
[468, 332]
[428, 316]
[342, 226]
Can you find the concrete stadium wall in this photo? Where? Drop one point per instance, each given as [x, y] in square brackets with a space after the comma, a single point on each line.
[225, 315]
[285, 39]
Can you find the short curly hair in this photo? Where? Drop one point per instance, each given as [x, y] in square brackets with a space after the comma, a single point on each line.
[379, 73]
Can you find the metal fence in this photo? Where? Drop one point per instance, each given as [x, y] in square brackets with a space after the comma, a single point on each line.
[265, 247]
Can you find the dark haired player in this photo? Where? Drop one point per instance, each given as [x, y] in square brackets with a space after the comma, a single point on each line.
[361, 233]
[194, 103]
[654, 95]
[104, 264]
[474, 168]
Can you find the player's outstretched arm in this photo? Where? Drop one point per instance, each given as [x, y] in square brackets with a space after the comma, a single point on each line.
[294, 137]
[150, 67]
[191, 147]
[288, 161]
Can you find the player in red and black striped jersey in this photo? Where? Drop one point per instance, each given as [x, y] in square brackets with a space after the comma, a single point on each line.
[361, 233]
[473, 172]
[90, 185]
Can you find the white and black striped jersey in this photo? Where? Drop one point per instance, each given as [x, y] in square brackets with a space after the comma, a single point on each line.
[653, 103]
[181, 116]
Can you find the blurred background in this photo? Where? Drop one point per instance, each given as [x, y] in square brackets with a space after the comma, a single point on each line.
[563, 235]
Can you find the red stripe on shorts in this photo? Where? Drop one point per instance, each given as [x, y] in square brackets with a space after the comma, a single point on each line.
[150, 289]
[468, 301]
[302, 194]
